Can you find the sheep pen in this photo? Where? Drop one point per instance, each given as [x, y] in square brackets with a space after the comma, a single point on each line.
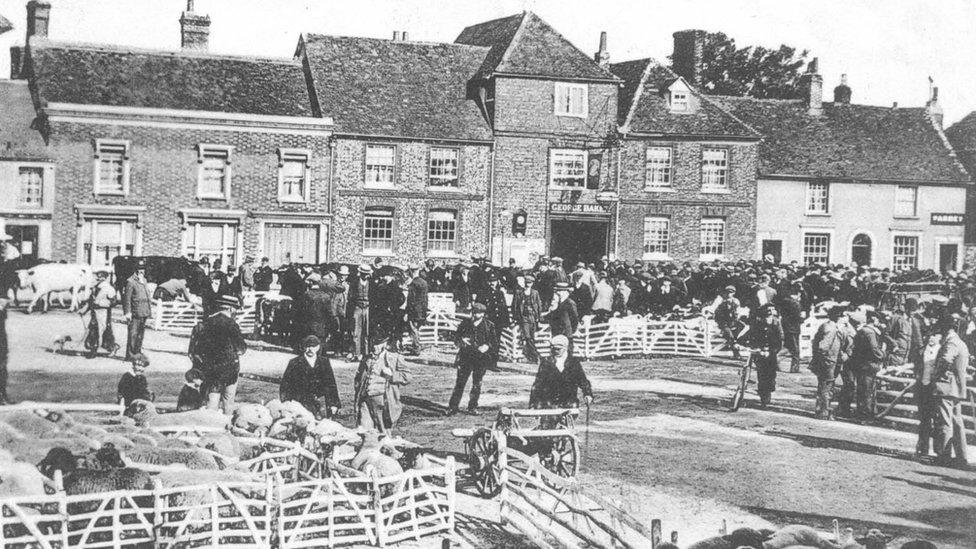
[210, 486]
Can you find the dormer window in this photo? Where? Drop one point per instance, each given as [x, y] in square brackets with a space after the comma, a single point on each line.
[571, 100]
[679, 101]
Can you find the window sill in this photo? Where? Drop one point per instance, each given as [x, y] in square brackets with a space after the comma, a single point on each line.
[444, 188]
[560, 188]
[571, 115]
[110, 193]
[818, 214]
[374, 186]
[659, 189]
[711, 257]
[378, 253]
[292, 200]
[908, 217]
[443, 255]
[716, 191]
[213, 197]
[656, 257]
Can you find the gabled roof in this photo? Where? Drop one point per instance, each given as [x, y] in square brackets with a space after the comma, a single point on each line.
[524, 44]
[396, 88]
[644, 105]
[5, 24]
[848, 141]
[962, 135]
[20, 138]
[129, 77]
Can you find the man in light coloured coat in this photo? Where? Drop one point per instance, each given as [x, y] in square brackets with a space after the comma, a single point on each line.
[137, 308]
[948, 391]
[828, 346]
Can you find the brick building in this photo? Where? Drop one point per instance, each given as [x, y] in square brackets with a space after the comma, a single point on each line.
[552, 110]
[176, 153]
[846, 183]
[411, 152]
[962, 135]
[687, 180]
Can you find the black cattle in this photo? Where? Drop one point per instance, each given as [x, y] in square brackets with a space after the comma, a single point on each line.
[8, 273]
[159, 269]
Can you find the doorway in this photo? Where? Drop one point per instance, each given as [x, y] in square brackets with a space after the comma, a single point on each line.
[773, 248]
[948, 257]
[575, 241]
[861, 250]
[24, 238]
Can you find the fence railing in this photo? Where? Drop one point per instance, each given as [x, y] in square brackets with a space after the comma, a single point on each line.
[301, 502]
[182, 316]
[554, 511]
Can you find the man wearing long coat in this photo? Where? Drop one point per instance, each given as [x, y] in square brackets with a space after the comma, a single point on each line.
[377, 385]
[309, 377]
[526, 311]
[416, 306]
[948, 378]
[477, 353]
[137, 308]
[867, 358]
[828, 347]
[216, 345]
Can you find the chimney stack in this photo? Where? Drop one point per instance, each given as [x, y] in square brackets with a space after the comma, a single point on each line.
[404, 36]
[686, 60]
[38, 18]
[602, 56]
[812, 84]
[194, 29]
[16, 58]
[842, 93]
[933, 108]
[396, 36]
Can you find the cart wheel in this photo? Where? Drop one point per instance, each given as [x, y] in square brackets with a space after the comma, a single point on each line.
[562, 456]
[483, 459]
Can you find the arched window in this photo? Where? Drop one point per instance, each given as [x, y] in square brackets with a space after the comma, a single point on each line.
[861, 249]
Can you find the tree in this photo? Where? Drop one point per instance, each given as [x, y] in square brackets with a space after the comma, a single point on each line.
[753, 70]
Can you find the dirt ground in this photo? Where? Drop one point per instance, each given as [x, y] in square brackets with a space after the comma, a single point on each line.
[659, 439]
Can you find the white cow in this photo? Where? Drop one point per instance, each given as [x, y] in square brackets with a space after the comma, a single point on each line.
[57, 277]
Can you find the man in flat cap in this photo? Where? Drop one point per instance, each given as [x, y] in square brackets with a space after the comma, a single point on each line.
[526, 311]
[727, 319]
[137, 308]
[417, 306]
[831, 344]
[477, 352]
[103, 298]
[564, 318]
[216, 345]
[357, 315]
[495, 304]
[310, 381]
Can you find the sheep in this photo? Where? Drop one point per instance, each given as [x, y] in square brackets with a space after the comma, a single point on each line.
[194, 418]
[373, 458]
[19, 479]
[221, 443]
[874, 539]
[798, 535]
[32, 425]
[253, 418]
[9, 434]
[918, 544]
[33, 450]
[191, 458]
[740, 537]
[58, 459]
[289, 408]
[143, 412]
[106, 457]
[86, 481]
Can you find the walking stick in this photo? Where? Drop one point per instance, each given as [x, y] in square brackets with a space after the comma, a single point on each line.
[586, 436]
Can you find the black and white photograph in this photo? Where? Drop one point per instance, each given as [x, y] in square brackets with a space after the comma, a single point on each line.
[292, 274]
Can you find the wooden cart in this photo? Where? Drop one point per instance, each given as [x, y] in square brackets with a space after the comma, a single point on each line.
[548, 434]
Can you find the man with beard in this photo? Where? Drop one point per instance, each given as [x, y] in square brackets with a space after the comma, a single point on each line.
[477, 353]
[310, 381]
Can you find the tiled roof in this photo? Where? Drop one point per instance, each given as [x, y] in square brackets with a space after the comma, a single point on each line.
[20, 138]
[128, 77]
[848, 141]
[524, 44]
[397, 88]
[962, 135]
[5, 24]
[644, 105]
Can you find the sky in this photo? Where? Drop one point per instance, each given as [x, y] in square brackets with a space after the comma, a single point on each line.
[888, 48]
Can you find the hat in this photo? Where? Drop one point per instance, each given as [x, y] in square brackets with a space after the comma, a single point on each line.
[230, 269]
[265, 258]
[378, 336]
[192, 374]
[314, 278]
[139, 359]
[836, 311]
[559, 340]
[364, 269]
[563, 287]
[101, 272]
[529, 278]
[413, 267]
[343, 270]
[580, 265]
[730, 288]
[557, 259]
[140, 263]
[310, 341]
[767, 310]
[492, 276]
[478, 308]
[228, 301]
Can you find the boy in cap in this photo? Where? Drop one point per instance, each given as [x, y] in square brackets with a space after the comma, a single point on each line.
[477, 352]
[133, 385]
[526, 311]
[308, 378]
[727, 319]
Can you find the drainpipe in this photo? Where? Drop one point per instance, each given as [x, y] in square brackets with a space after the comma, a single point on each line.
[491, 202]
[616, 207]
[329, 195]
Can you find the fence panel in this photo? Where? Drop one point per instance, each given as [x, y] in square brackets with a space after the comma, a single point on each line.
[326, 512]
[219, 514]
[417, 503]
[34, 522]
[182, 316]
[111, 519]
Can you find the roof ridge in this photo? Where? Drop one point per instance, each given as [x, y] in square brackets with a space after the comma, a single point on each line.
[606, 72]
[398, 42]
[117, 48]
[948, 145]
[638, 92]
[718, 105]
[516, 36]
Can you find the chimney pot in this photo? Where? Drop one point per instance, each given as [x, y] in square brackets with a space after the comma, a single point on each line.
[38, 18]
[934, 108]
[842, 93]
[602, 56]
[686, 60]
[812, 84]
[405, 36]
[396, 36]
[194, 29]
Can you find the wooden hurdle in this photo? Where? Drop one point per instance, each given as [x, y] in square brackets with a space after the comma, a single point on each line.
[182, 316]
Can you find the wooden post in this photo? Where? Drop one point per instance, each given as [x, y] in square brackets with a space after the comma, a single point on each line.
[503, 472]
[378, 504]
[708, 337]
[62, 499]
[450, 484]
[655, 533]
[725, 528]
[157, 509]
[214, 517]
[270, 513]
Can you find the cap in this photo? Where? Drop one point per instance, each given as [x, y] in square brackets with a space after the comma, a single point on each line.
[379, 335]
[343, 270]
[580, 265]
[413, 267]
[492, 276]
[529, 278]
[192, 374]
[730, 288]
[102, 272]
[140, 263]
[563, 287]
[557, 259]
[311, 341]
[364, 268]
[478, 308]
[228, 301]
[559, 340]
[314, 278]
[140, 359]
[265, 258]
